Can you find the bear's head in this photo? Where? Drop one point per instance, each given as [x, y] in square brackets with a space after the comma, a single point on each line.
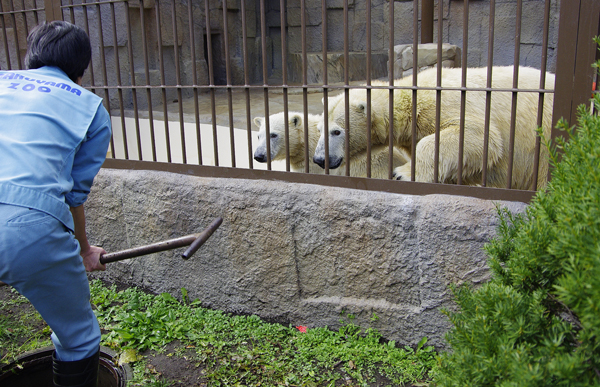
[356, 130]
[277, 143]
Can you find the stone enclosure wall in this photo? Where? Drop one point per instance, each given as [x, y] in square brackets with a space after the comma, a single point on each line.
[298, 254]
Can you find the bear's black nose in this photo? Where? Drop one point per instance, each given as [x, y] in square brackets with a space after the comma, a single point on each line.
[260, 158]
[320, 161]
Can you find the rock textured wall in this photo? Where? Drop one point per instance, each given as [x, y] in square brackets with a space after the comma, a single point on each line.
[297, 253]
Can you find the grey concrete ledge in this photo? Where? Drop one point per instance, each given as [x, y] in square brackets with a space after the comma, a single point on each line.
[298, 254]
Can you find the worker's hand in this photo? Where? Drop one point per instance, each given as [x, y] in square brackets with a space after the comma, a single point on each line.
[91, 258]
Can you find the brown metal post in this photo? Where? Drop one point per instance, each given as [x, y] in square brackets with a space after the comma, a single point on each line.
[369, 107]
[325, 82]
[427, 21]
[52, 8]
[576, 51]
[413, 147]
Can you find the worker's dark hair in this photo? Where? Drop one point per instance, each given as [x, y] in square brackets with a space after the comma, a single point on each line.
[59, 44]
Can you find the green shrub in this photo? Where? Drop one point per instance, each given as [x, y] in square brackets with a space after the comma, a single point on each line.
[537, 322]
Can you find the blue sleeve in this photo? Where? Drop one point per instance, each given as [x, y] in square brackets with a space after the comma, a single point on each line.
[89, 158]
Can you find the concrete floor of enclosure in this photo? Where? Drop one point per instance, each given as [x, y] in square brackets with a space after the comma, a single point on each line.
[238, 107]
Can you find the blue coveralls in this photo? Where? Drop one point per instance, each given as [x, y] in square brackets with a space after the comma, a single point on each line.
[54, 136]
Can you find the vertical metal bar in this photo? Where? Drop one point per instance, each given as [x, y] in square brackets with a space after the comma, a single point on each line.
[307, 157]
[211, 80]
[228, 76]
[263, 42]
[104, 72]
[391, 94]
[369, 91]
[413, 150]
[246, 84]
[346, 88]
[575, 52]
[70, 11]
[132, 79]
[86, 27]
[161, 60]
[11, 10]
[513, 109]
[25, 24]
[36, 17]
[488, 94]
[325, 81]
[118, 76]
[284, 81]
[427, 21]
[147, 75]
[22, 16]
[463, 93]
[102, 53]
[587, 53]
[52, 10]
[4, 37]
[540, 117]
[195, 80]
[178, 79]
[438, 94]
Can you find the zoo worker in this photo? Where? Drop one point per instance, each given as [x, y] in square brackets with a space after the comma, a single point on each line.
[54, 136]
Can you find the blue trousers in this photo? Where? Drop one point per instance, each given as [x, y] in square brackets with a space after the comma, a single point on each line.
[40, 258]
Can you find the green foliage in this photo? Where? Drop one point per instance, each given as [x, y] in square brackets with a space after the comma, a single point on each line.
[231, 350]
[245, 350]
[537, 322]
[21, 329]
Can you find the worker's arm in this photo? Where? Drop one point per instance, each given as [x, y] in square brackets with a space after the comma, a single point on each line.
[90, 254]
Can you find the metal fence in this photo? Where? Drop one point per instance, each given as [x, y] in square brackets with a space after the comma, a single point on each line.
[183, 80]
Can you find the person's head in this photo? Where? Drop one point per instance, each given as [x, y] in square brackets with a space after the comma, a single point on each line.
[59, 44]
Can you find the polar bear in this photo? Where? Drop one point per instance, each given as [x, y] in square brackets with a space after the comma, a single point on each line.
[358, 163]
[474, 123]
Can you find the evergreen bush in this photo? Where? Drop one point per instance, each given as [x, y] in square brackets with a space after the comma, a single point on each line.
[537, 321]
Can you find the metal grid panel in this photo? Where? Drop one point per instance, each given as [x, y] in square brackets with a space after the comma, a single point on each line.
[162, 64]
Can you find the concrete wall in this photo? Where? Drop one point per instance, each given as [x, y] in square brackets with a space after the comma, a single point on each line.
[296, 253]
[452, 30]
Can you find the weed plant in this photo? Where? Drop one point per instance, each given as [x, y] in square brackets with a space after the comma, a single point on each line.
[537, 322]
[21, 329]
[243, 350]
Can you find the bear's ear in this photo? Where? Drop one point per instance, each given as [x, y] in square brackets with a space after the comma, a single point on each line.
[361, 107]
[258, 121]
[295, 120]
[332, 101]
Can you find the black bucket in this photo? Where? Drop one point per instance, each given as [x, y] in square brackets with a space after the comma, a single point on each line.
[35, 369]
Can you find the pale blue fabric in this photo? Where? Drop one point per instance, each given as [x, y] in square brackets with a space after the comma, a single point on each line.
[40, 258]
[54, 136]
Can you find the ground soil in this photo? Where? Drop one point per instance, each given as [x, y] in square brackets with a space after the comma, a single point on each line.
[180, 369]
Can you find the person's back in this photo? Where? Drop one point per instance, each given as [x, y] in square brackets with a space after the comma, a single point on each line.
[45, 120]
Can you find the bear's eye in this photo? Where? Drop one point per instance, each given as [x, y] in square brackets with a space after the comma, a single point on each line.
[273, 135]
[336, 132]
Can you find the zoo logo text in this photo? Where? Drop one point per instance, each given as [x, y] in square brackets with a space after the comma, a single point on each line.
[32, 86]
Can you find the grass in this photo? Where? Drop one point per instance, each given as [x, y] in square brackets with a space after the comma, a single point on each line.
[21, 329]
[233, 350]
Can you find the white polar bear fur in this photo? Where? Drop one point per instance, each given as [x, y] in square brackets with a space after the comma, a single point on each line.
[499, 131]
[358, 163]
